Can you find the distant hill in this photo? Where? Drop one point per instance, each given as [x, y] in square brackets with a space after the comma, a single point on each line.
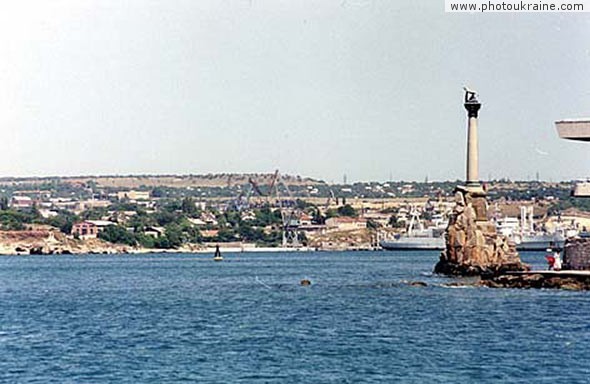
[176, 181]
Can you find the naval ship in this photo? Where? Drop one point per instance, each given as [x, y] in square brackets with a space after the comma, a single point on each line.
[521, 232]
[524, 235]
[418, 237]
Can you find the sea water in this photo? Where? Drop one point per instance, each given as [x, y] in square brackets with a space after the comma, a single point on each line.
[167, 318]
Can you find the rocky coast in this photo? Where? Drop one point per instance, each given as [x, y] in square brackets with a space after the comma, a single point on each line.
[568, 280]
[43, 241]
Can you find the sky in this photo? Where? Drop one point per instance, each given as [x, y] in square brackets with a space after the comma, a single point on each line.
[367, 89]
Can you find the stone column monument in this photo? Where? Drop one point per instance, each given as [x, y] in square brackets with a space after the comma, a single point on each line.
[472, 105]
[473, 247]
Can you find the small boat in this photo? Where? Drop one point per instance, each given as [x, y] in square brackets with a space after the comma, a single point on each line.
[217, 256]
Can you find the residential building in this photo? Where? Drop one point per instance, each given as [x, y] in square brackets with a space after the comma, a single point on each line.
[89, 229]
[209, 218]
[304, 219]
[155, 232]
[209, 232]
[197, 222]
[89, 204]
[22, 202]
[133, 195]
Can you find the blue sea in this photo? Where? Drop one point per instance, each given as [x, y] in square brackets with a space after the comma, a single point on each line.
[172, 318]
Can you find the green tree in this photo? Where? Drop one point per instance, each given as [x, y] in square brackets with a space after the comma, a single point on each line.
[347, 210]
[331, 212]
[189, 232]
[158, 192]
[226, 234]
[395, 223]
[234, 218]
[172, 206]
[94, 214]
[64, 221]
[145, 240]
[302, 204]
[162, 243]
[12, 220]
[188, 206]
[4, 203]
[141, 221]
[317, 218]
[266, 216]
[165, 217]
[174, 235]
[251, 234]
[373, 224]
[118, 235]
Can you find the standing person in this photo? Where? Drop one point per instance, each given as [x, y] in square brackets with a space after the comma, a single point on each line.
[557, 261]
[550, 261]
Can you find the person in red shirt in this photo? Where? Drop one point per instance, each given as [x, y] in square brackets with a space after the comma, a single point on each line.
[550, 261]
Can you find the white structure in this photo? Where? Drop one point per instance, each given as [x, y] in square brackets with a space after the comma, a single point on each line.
[22, 202]
[345, 223]
[133, 195]
[579, 130]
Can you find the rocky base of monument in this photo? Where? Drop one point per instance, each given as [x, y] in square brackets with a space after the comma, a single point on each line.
[473, 246]
[450, 268]
[537, 280]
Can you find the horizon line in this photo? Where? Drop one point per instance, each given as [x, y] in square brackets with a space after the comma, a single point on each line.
[227, 174]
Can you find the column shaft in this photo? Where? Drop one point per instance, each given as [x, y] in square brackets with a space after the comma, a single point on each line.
[472, 152]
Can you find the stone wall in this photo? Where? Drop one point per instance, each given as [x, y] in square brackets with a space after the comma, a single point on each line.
[576, 254]
[473, 247]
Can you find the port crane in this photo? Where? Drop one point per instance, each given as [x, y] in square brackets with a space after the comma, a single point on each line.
[290, 213]
[277, 195]
[331, 198]
[242, 201]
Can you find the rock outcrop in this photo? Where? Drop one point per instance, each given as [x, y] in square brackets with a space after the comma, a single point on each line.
[538, 280]
[49, 241]
[473, 247]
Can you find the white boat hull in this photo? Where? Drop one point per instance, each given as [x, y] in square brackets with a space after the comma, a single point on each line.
[414, 243]
[540, 242]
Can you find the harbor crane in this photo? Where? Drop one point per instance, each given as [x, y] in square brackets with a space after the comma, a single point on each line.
[290, 213]
[278, 195]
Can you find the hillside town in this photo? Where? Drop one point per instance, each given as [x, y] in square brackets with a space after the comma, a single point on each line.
[250, 212]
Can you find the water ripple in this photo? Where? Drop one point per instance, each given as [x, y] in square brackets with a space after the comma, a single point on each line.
[184, 318]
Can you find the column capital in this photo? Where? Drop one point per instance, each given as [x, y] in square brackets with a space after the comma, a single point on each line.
[472, 108]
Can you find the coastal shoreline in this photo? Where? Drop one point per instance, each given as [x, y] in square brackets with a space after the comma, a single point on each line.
[124, 250]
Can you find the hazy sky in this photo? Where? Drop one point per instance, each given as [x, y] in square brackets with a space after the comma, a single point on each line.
[317, 88]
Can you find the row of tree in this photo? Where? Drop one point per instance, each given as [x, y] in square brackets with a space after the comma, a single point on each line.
[263, 225]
